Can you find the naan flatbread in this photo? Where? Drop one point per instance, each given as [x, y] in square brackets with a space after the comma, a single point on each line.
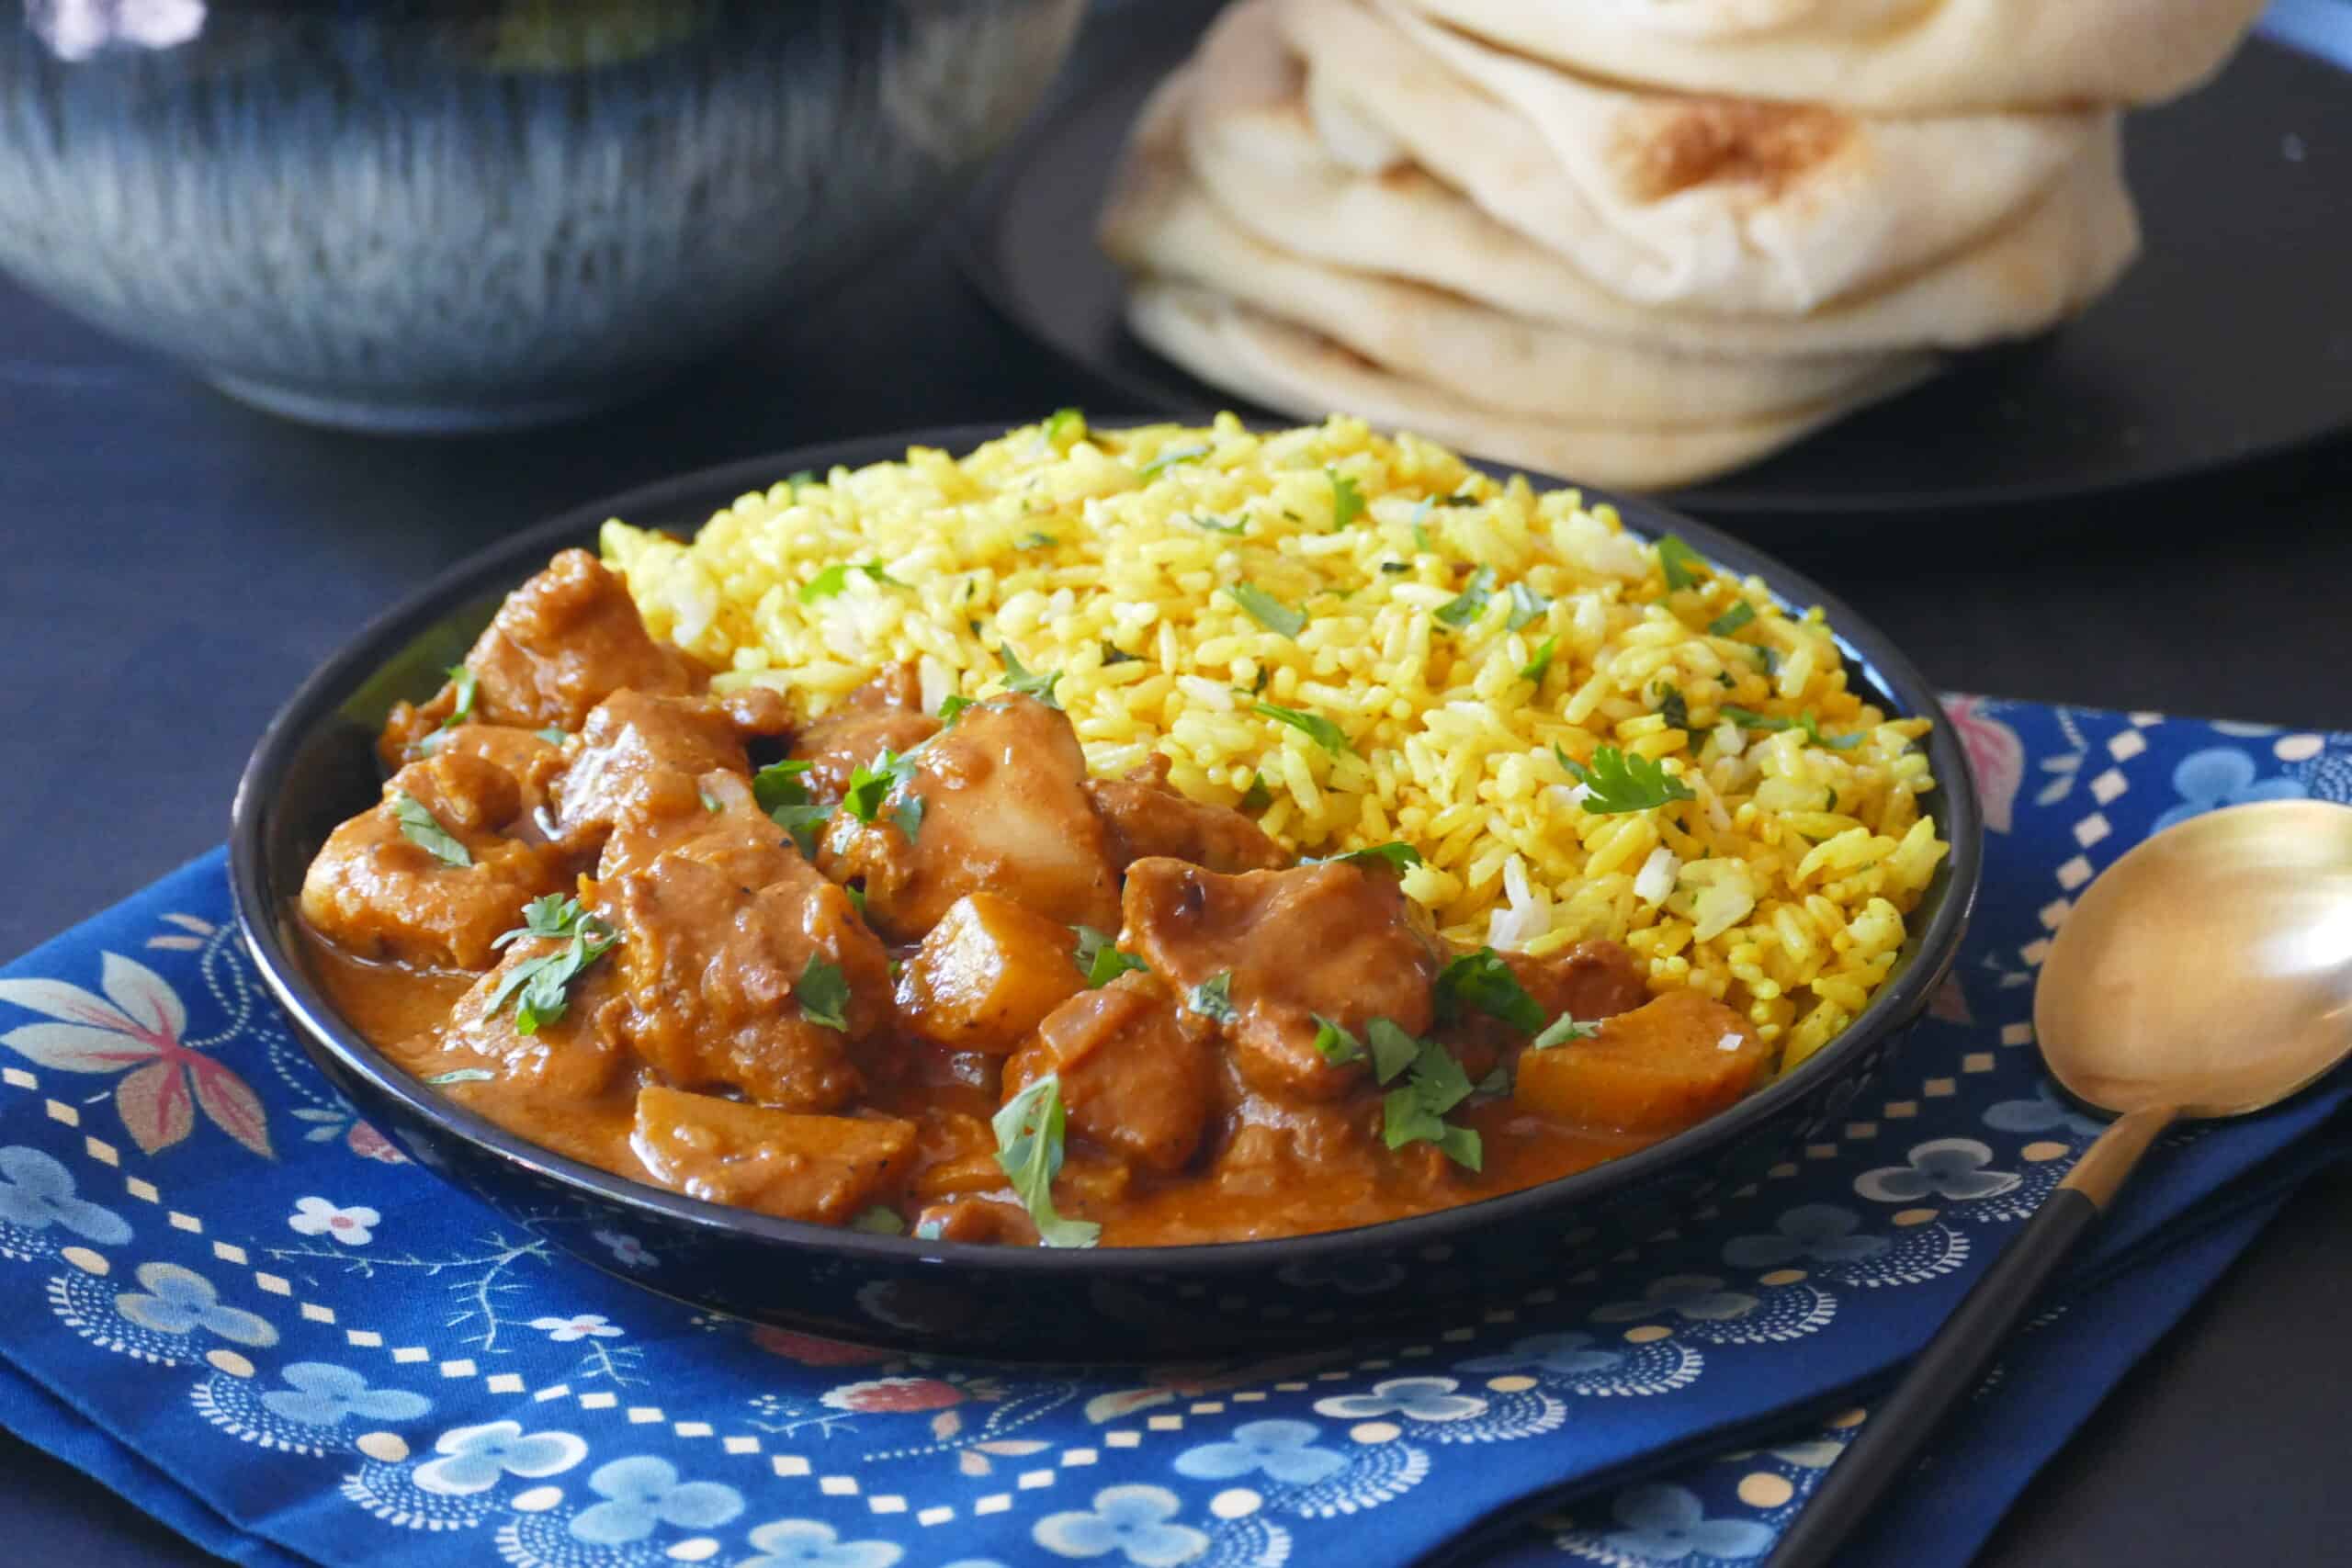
[1252, 145]
[1731, 205]
[1882, 56]
[1294, 371]
[1158, 222]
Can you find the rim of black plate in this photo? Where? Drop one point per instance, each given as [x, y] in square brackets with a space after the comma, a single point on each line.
[687, 501]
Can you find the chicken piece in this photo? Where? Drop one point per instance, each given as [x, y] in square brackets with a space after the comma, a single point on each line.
[1587, 980]
[1146, 819]
[530, 756]
[955, 1155]
[1672, 1062]
[985, 975]
[563, 642]
[1135, 1080]
[725, 829]
[635, 772]
[1004, 811]
[825, 1169]
[377, 893]
[1337, 940]
[885, 714]
[718, 982]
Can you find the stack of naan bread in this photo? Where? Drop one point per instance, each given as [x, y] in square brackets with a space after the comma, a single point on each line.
[1637, 242]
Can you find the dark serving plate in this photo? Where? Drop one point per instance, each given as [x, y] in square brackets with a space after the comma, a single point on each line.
[2226, 343]
[316, 765]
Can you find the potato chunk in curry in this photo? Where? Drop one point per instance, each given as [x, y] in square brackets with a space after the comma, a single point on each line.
[987, 975]
[1674, 1061]
[1004, 810]
[824, 1168]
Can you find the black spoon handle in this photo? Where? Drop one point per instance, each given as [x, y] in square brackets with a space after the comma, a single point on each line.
[1955, 1361]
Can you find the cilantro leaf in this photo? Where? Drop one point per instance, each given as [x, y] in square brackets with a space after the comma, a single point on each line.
[1496, 1082]
[1526, 604]
[1029, 1133]
[1393, 1050]
[1202, 520]
[1536, 668]
[553, 736]
[1464, 1147]
[1315, 727]
[1682, 565]
[1731, 620]
[1562, 1030]
[1113, 654]
[879, 1220]
[834, 578]
[1099, 958]
[1213, 997]
[1748, 719]
[822, 992]
[1347, 500]
[1017, 679]
[802, 820]
[1267, 610]
[950, 706]
[1438, 1078]
[1062, 420]
[465, 680]
[804, 479]
[1338, 1046]
[1618, 782]
[1395, 856]
[779, 784]
[1471, 603]
[871, 783]
[539, 984]
[709, 801]
[1767, 658]
[424, 829]
[1414, 1112]
[1170, 457]
[1037, 540]
[1485, 981]
[1673, 709]
[1257, 798]
[907, 815]
[462, 1075]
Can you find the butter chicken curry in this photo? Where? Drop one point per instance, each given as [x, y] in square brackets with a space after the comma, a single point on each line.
[899, 971]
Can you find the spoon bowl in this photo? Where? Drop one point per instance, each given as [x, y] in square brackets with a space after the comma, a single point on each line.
[2210, 970]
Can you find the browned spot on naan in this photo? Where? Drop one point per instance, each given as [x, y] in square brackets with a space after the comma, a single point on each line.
[1671, 146]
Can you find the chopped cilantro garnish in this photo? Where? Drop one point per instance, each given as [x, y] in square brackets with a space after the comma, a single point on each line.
[1673, 709]
[1526, 604]
[464, 679]
[1562, 1030]
[822, 992]
[1315, 727]
[1035, 541]
[1395, 856]
[1471, 603]
[1618, 782]
[1113, 654]
[462, 1075]
[1267, 610]
[1029, 1132]
[1421, 539]
[1496, 1082]
[1170, 457]
[802, 821]
[424, 829]
[907, 815]
[1459, 498]
[553, 736]
[1393, 1049]
[871, 782]
[1535, 669]
[1748, 719]
[1017, 679]
[1257, 798]
[779, 784]
[1682, 565]
[1414, 1112]
[835, 578]
[1062, 420]
[879, 1221]
[1483, 981]
[542, 982]
[796, 482]
[1099, 958]
[1394, 567]
[709, 801]
[1202, 520]
[1731, 620]
[1259, 684]
[857, 902]
[1347, 500]
[1338, 1046]
[1213, 997]
[950, 706]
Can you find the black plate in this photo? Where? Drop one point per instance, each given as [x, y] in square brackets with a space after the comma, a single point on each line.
[2230, 338]
[316, 765]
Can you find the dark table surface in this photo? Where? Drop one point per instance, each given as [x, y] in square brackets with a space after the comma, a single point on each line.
[177, 563]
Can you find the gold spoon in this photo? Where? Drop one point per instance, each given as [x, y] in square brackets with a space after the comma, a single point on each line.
[2208, 973]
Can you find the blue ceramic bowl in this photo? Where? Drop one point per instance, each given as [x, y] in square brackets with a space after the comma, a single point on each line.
[317, 765]
[412, 216]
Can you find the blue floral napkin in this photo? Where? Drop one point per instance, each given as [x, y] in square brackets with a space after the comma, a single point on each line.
[241, 1308]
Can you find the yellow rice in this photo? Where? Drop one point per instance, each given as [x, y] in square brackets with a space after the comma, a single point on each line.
[1783, 888]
